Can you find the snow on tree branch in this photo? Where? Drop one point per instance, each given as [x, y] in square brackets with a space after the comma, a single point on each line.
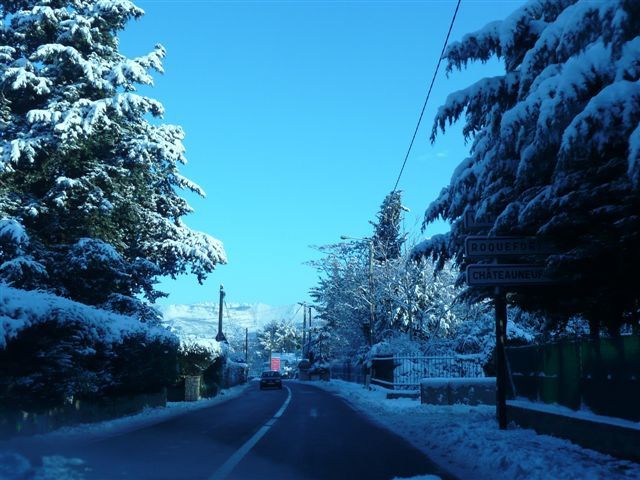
[555, 138]
[79, 156]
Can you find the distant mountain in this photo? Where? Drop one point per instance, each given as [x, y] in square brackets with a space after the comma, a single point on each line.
[198, 323]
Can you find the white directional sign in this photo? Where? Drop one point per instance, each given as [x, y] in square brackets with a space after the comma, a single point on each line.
[505, 246]
[495, 275]
[470, 222]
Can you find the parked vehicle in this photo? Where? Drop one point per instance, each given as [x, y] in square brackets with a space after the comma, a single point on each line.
[271, 379]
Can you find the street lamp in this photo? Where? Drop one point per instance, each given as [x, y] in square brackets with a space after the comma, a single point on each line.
[372, 311]
[220, 336]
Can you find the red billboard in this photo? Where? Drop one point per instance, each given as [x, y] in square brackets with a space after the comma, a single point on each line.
[275, 363]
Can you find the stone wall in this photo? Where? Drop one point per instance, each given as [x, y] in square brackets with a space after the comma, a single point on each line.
[191, 388]
[467, 391]
[620, 438]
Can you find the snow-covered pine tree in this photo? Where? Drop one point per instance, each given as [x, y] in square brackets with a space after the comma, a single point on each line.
[555, 150]
[93, 182]
[387, 237]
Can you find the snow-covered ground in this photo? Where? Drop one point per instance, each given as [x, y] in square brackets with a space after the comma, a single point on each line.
[14, 466]
[150, 416]
[465, 440]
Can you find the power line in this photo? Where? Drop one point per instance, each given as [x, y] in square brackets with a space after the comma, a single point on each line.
[424, 106]
[293, 318]
[226, 309]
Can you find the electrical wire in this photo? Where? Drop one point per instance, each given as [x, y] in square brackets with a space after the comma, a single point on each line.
[293, 318]
[226, 308]
[289, 321]
[424, 106]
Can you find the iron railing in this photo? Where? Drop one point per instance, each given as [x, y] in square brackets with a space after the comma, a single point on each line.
[404, 372]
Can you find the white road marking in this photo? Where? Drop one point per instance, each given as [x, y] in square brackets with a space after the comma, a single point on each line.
[313, 413]
[231, 463]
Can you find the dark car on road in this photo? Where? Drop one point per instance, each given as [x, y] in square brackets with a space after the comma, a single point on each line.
[271, 379]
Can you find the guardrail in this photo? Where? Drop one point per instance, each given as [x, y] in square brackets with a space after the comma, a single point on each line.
[404, 372]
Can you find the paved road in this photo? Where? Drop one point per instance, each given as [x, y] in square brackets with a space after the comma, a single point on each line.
[300, 432]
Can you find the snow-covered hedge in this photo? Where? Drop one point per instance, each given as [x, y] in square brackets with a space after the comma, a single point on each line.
[20, 309]
[53, 349]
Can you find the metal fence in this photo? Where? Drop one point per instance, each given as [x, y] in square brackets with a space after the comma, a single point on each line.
[404, 372]
[601, 375]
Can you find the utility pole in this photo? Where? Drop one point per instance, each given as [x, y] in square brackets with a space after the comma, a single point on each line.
[304, 328]
[309, 338]
[372, 309]
[246, 346]
[220, 336]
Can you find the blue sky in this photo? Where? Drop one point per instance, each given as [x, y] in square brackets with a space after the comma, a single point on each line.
[298, 115]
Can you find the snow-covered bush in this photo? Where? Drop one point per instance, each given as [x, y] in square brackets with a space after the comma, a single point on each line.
[555, 151]
[53, 349]
[17, 266]
[193, 359]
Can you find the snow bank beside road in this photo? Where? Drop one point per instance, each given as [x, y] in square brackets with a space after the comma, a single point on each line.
[465, 440]
[16, 466]
[151, 416]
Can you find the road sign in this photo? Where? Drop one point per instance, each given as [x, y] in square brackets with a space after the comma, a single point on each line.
[470, 222]
[504, 246]
[495, 275]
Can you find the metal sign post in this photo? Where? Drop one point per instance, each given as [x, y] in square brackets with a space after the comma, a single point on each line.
[500, 276]
[500, 302]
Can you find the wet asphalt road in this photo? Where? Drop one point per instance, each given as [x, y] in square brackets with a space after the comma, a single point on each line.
[317, 436]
